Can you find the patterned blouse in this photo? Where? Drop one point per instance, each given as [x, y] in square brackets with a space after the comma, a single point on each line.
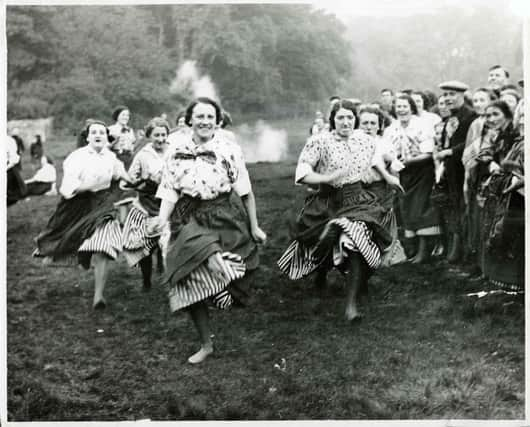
[85, 166]
[326, 153]
[203, 171]
[409, 141]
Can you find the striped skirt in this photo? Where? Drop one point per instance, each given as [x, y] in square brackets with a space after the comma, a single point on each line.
[137, 244]
[210, 227]
[334, 223]
[81, 226]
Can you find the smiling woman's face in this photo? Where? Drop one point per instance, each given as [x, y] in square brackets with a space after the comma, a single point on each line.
[203, 122]
[97, 136]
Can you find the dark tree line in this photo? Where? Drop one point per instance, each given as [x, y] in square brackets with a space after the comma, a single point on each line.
[74, 62]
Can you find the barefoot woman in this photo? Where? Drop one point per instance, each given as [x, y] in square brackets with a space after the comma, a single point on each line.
[344, 223]
[207, 198]
[85, 222]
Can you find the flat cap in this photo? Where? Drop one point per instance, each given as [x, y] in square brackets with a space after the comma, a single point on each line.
[355, 100]
[454, 85]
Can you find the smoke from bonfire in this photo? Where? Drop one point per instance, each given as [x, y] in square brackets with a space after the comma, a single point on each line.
[190, 83]
[262, 142]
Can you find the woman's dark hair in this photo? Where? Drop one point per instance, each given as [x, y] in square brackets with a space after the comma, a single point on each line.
[156, 122]
[203, 100]
[347, 105]
[411, 102]
[424, 97]
[227, 119]
[372, 109]
[98, 122]
[503, 106]
[179, 116]
[117, 111]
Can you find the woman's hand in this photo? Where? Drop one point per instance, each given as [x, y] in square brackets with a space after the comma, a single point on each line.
[334, 176]
[494, 168]
[394, 182]
[442, 154]
[515, 184]
[155, 226]
[216, 265]
[258, 235]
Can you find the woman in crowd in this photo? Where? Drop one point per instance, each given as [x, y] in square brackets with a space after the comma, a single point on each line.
[145, 174]
[414, 147]
[442, 109]
[208, 201]
[345, 223]
[85, 222]
[511, 97]
[43, 182]
[123, 135]
[501, 161]
[428, 119]
[476, 134]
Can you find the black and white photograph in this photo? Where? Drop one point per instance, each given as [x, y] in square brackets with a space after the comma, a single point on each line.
[265, 211]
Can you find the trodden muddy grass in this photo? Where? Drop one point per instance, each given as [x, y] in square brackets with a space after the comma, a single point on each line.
[423, 350]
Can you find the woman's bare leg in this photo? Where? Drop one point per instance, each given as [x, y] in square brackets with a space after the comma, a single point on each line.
[101, 269]
[354, 281]
[201, 320]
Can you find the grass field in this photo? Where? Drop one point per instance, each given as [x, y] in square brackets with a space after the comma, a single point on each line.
[424, 350]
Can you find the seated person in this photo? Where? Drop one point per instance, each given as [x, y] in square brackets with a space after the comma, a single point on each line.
[43, 182]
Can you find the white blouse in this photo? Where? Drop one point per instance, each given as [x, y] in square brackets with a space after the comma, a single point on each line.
[86, 167]
[125, 138]
[409, 141]
[11, 152]
[147, 164]
[46, 173]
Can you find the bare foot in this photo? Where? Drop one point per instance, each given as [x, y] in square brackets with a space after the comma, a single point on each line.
[202, 354]
[352, 314]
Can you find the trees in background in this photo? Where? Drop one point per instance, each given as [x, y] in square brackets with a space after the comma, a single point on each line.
[271, 60]
[75, 62]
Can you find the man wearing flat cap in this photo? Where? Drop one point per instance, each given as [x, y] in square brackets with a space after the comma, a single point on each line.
[454, 140]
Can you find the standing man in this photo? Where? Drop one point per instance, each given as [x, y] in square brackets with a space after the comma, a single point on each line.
[453, 143]
[387, 102]
[498, 76]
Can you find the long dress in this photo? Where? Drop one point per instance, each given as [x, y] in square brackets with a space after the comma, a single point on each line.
[205, 182]
[145, 173]
[353, 214]
[87, 222]
[418, 214]
[502, 215]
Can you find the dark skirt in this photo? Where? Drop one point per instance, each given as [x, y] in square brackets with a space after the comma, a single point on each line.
[503, 229]
[360, 212]
[417, 211]
[454, 212]
[38, 188]
[199, 230]
[74, 221]
[16, 188]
